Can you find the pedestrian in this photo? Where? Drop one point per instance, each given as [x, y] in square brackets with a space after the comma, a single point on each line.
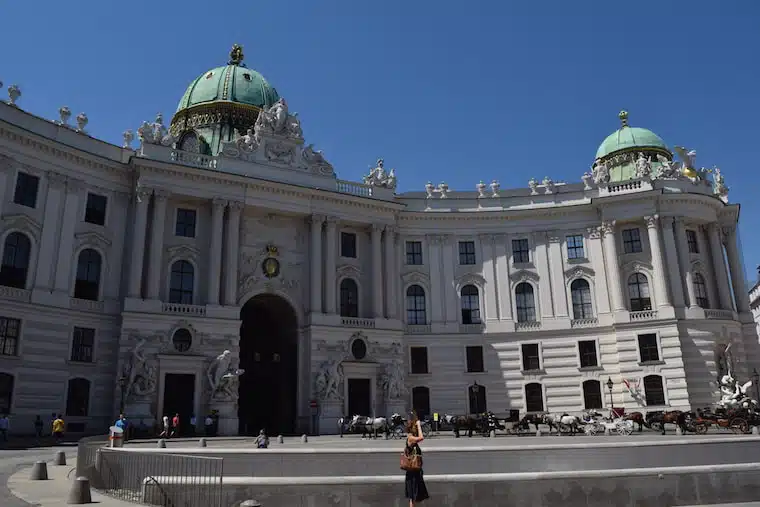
[414, 488]
[4, 426]
[209, 425]
[58, 428]
[175, 426]
[193, 422]
[164, 426]
[262, 441]
[38, 426]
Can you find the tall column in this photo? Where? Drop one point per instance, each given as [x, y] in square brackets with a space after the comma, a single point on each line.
[142, 197]
[719, 266]
[597, 261]
[215, 251]
[544, 282]
[503, 285]
[390, 273]
[316, 222]
[331, 237]
[449, 259]
[66, 244]
[671, 259]
[487, 248]
[660, 280]
[613, 266]
[232, 253]
[377, 272]
[50, 227]
[437, 297]
[735, 266]
[556, 267]
[683, 257]
[160, 199]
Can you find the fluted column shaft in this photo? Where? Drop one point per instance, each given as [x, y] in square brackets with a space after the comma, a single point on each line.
[377, 272]
[660, 277]
[671, 256]
[231, 250]
[331, 237]
[735, 266]
[683, 257]
[390, 272]
[316, 263]
[215, 250]
[613, 265]
[160, 198]
[142, 197]
[719, 267]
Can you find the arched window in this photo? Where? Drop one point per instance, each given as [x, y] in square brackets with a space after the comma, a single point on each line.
[16, 254]
[181, 283]
[421, 401]
[534, 397]
[349, 298]
[525, 302]
[415, 305]
[581, 296]
[700, 291]
[78, 397]
[190, 143]
[638, 293]
[87, 285]
[470, 305]
[6, 393]
[654, 390]
[477, 394]
[592, 394]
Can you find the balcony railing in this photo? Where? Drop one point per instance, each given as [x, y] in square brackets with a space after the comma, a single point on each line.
[87, 305]
[15, 294]
[584, 322]
[176, 308]
[719, 314]
[644, 315]
[193, 159]
[527, 326]
[358, 322]
[353, 188]
[417, 329]
[471, 328]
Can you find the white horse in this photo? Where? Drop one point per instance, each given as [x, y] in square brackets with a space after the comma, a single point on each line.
[371, 425]
[566, 421]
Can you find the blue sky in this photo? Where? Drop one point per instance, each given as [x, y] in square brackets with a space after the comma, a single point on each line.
[443, 90]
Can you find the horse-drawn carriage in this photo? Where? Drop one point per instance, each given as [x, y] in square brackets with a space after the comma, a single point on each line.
[596, 423]
[738, 420]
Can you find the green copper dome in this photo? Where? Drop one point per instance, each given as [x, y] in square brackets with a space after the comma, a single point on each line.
[233, 82]
[628, 138]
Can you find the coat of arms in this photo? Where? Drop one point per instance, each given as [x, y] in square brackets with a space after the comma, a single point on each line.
[271, 266]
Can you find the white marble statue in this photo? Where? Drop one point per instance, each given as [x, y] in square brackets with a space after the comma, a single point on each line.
[733, 395]
[141, 376]
[329, 380]
[719, 184]
[392, 381]
[533, 185]
[315, 158]
[277, 120]
[601, 172]
[643, 166]
[223, 376]
[155, 133]
[378, 176]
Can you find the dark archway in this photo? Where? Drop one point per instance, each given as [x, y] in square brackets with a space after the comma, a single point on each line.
[269, 355]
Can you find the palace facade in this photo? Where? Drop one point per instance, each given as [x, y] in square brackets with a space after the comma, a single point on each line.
[218, 263]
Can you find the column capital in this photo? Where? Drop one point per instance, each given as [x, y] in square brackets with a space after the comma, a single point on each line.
[161, 195]
[487, 238]
[727, 230]
[236, 206]
[218, 203]
[713, 227]
[316, 219]
[56, 180]
[74, 185]
[554, 237]
[331, 221]
[651, 221]
[594, 232]
[607, 227]
[390, 230]
[376, 228]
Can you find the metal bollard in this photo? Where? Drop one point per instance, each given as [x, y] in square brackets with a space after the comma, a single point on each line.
[755, 430]
[280, 440]
[60, 458]
[538, 433]
[304, 439]
[679, 431]
[492, 434]
[39, 472]
[79, 493]
[162, 444]
[251, 503]
[202, 442]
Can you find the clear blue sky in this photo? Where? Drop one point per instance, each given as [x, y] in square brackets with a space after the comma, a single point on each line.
[443, 90]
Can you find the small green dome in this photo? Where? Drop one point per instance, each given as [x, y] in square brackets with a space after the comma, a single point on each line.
[627, 138]
[233, 82]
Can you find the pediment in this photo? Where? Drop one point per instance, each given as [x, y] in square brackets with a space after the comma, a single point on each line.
[415, 277]
[471, 279]
[698, 266]
[190, 251]
[93, 238]
[23, 223]
[348, 270]
[524, 275]
[579, 272]
[637, 265]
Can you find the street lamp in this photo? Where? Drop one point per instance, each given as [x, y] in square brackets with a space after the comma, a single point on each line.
[609, 387]
[756, 380]
[476, 390]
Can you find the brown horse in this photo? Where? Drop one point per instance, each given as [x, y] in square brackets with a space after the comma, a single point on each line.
[658, 419]
[637, 418]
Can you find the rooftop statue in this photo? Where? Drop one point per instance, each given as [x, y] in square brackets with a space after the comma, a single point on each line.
[236, 54]
[378, 177]
[277, 120]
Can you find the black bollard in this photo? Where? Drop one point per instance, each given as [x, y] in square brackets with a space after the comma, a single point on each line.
[79, 493]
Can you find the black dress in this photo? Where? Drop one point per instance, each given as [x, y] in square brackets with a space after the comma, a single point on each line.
[415, 489]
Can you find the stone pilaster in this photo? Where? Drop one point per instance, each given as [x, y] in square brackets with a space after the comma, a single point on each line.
[613, 266]
[719, 267]
[316, 222]
[735, 267]
[501, 270]
[660, 276]
[390, 272]
[596, 254]
[331, 237]
[449, 259]
[158, 223]
[437, 298]
[487, 249]
[671, 256]
[50, 227]
[142, 197]
[541, 245]
[232, 252]
[685, 264]
[556, 267]
[215, 251]
[66, 244]
[377, 271]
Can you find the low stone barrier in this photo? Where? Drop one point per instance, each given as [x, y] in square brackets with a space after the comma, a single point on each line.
[692, 485]
[493, 459]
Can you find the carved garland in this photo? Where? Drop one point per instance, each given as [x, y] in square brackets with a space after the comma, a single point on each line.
[22, 223]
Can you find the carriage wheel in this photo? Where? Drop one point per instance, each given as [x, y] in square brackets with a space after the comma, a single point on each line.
[624, 429]
[739, 425]
[656, 426]
[397, 433]
[700, 428]
[590, 429]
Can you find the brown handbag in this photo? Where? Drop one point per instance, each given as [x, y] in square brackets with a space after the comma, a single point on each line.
[411, 461]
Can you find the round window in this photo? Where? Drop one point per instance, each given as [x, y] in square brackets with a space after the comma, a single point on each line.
[359, 349]
[182, 340]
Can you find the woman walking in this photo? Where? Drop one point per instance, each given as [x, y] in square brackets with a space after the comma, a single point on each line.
[415, 483]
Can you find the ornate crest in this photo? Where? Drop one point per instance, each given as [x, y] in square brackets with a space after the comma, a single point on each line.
[271, 266]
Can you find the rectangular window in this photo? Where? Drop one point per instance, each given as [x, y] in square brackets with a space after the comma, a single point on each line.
[9, 335]
[631, 241]
[27, 187]
[466, 253]
[83, 345]
[691, 239]
[520, 251]
[575, 247]
[419, 360]
[648, 348]
[348, 245]
[592, 394]
[185, 226]
[414, 253]
[475, 359]
[530, 358]
[587, 353]
[95, 209]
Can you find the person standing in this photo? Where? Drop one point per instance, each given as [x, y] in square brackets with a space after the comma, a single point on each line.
[164, 427]
[414, 488]
[4, 426]
[175, 426]
[38, 426]
[58, 428]
[209, 424]
[193, 422]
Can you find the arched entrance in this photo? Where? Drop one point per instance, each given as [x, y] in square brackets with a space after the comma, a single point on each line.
[268, 392]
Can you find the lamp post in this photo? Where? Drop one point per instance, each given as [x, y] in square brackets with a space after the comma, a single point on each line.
[123, 388]
[609, 388]
[476, 391]
[755, 380]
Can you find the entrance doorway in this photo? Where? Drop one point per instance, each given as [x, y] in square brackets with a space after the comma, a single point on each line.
[359, 397]
[179, 398]
[268, 392]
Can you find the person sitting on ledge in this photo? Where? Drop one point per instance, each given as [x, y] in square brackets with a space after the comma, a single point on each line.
[262, 441]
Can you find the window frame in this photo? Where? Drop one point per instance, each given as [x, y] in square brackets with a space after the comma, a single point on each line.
[100, 274]
[4, 337]
[349, 306]
[527, 251]
[171, 290]
[639, 299]
[72, 345]
[692, 241]
[517, 307]
[572, 250]
[525, 397]
[177, 210]
[413, 255]
[416, 311]
[475, 315]
[467, 350]
[345, 234]
[90, 193]
[11, 392]
[634, 243]
[429, 403]
[701, 292]
[29, 260]
[90, 391]
[580, 355]
[539, 353]
[412, 362]
[598, 382]
[467, 257]
[19, 177]
[591, 310]
[657, 347]
[663, 386]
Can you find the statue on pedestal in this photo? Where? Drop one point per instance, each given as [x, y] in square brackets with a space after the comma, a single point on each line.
[329, 381]
[222, 377]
